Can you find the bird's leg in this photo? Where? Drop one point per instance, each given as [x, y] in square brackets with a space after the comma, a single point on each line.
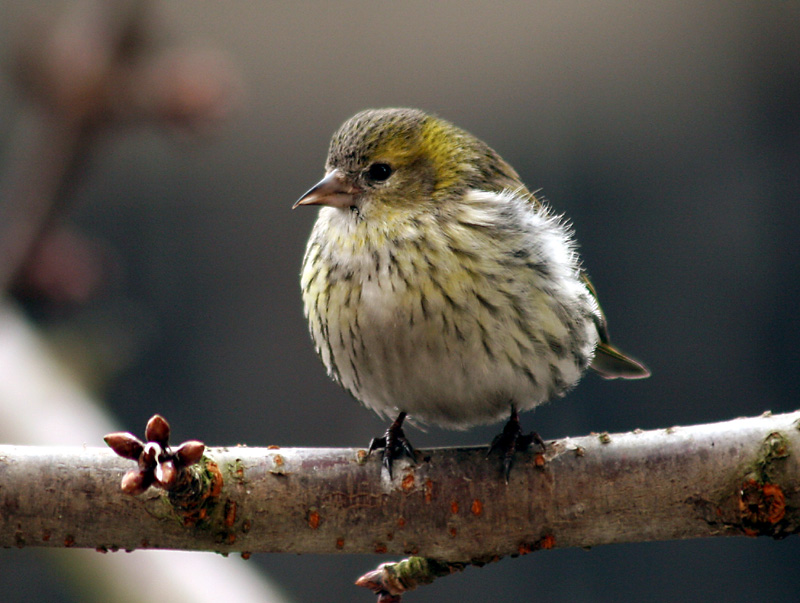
[393, 444]
[511, 439]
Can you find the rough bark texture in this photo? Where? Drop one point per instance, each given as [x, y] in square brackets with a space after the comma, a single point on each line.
[732, 478]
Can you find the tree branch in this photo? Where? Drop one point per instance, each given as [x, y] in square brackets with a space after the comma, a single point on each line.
[732, 478]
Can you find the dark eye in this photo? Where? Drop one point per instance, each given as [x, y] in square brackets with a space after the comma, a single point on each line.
[378, 172]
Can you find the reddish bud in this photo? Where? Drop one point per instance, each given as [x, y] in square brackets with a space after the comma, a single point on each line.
[190, 452]
[166, 474]
[126, 445]
[136, 482]
[157, 430]
[372, 580]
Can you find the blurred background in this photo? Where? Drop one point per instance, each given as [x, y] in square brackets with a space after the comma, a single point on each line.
[668, 133]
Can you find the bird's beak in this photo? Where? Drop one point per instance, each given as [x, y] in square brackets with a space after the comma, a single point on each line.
[334, 190]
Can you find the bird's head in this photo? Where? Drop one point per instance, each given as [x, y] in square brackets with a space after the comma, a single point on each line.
[383, 161]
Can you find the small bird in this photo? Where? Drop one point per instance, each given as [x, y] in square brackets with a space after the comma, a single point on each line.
[437, 286]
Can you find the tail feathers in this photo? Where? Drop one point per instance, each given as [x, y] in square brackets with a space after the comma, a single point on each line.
[610, 363]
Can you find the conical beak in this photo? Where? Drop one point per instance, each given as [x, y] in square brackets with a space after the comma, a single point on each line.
[334, 190]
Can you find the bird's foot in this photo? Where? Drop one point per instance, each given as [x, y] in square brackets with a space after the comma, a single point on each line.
[511, 440]
[393, 444]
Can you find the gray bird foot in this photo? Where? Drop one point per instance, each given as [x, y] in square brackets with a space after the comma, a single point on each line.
[393, 444]
[511, 440]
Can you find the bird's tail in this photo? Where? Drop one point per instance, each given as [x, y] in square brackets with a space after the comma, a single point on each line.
[610, 363]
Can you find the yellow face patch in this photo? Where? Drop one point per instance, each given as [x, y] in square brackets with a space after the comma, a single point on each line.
[433, 141]
[398, 146]
[443, 147]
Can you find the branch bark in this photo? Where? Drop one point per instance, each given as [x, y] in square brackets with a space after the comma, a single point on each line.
[732, 478]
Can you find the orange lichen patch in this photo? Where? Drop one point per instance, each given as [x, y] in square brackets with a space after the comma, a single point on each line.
[278, 460]
[46, 535]
[230, 513]
[538, 460]
[760, 506]
[231, 538]
[428, 490]
[361, 456]
[313, 519]
[777, 502]
[401, 522]
[547, 542]
[246, 555]
[191, 517]
[273, 447]
[69, 540]
[340, 543]
[452, 532]
[380, 548]
[216, 478]
[477, 507]
[408, 482]
[454, 507]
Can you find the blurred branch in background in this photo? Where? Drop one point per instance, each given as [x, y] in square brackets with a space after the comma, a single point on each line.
[82, 73]
[94, 68]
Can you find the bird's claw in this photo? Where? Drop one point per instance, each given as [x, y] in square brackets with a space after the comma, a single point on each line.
[511, 440]
[393, 445]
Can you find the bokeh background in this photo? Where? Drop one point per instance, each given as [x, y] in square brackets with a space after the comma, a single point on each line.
[668, 132]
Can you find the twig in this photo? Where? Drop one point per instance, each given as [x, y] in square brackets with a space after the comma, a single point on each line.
[741, 477]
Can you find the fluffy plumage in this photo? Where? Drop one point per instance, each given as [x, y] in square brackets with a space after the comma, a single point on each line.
[437, 285]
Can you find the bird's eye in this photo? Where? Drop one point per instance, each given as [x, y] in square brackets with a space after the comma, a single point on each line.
[378, 172]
